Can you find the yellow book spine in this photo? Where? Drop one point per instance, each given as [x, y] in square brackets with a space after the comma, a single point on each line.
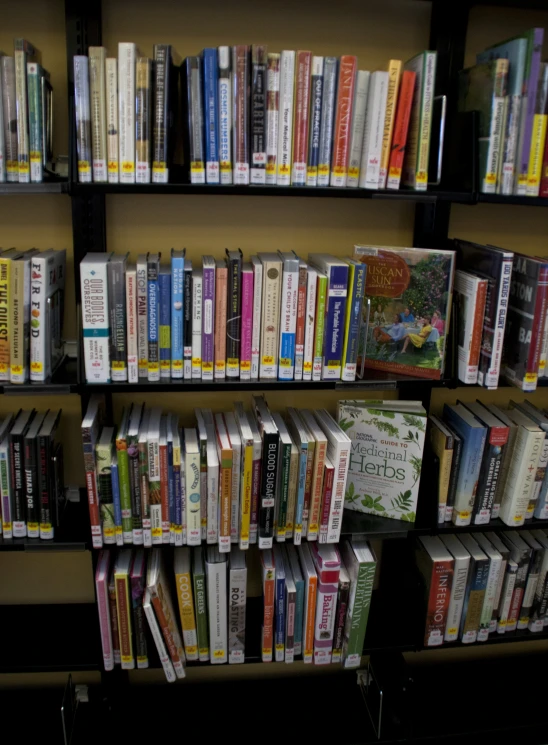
[186, 611]
[246, 486]
[394, 77]
[536, 155]
[445, 458]
[349, 304]
[17, 297]
[5, 292]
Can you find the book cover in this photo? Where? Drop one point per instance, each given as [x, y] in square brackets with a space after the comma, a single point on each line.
[342, 130]
[225, 457]
[272, 116]
[358, 127]
[211, 114]
[415, 166]
[192, 487]
[142, 449]
[284, 468]
[236, 446]
[320, 450]
[142, 315]
[164, 452]
[213, 492]
[30, 476]
[153, 476]
[24, 52]
[441, 442]
[292, 564]
[202, 444]
[165, 104]
[116, 269]
[538, 135]
[304, 441]
[258, 134]
[163, 655]
[285, 118]
[35, 73]
[21, 317]
[338, 452]
[495, 565]
[315, 121]
[302, 111]
[131, 329]
[246, 479]
[310, 323]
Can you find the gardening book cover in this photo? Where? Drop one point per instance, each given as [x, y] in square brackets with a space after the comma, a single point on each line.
[409, 290]
[385, 456]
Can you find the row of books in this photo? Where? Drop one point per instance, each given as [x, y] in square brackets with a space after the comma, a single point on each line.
[32, 290]
[253, 117]
[240, 477]
[501, 300]
[492, 463]
[32, 495]
[508, 87]
[26, 116]
[483, 584]
[316, 603]
[273, 317]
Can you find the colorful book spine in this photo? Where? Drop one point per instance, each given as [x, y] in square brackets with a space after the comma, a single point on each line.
[103, 607]
[34, 75]
[269, 582]
[279, 607]
[137, 584]
[208, 317]
[535, 38]
[335, 316]
[301, 320]
[143, 114]
[418, 148]
[183, 582]
[258, 114]
[240, 120]
[165, 660]
[394, 75]
[200, 597]
[124, 619]
[131, 315]
[348, 66]
[142, 448]
[340, 617]
[177, 352]
[125, 491]
[211, 115]
[197, 294]
[354, 308]
[316, 88]
[114, 619]
[153, 313]
[288, 320]
[225, 116]
[164, 325]
[246, 331]
[401, 128]
[302, 110]
[164, 482]
[187, 320]
[310, 319]
[233, 316]
[142, 315]
[328, 116]
[126, 100]
[321, 306]
[221, 297]
[272, 117]
[116, 269]
[358, 127]
[285, 122]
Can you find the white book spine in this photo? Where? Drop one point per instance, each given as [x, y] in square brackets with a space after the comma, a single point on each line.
[160, 646]
[212, 504]
[237, 596]
[112, 120]
[97, 82]
[374, 130]
[142, 318]
[197, 324]
[270, 324]
[309, 324]
[358, 127]
[153, 446]
[543, 350]
[340, 461]
[288, 324]
[95, 323]
[495, 564]
[326, 605]
[491, 379]
[216, 605]
[285, 121]
[126, 101]
[272, 117]
[489, 182]
[521, 475]
[38, 336]
[256, 333]
[235, 492]
[456, 602]
[192, 494]
[131, 312]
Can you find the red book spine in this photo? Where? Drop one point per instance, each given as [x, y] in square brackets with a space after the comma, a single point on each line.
[328, 476]
[124, 623]
[164, 494]
[348, 68]
[302, 111]
[401, 127]
[438, 603]
[93, 503]
[301, 317]
[531, 374]
[240, 67]
[477, 330]
[166, 632]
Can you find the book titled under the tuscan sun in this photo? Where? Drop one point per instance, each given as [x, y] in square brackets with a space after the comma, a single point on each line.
[385, 457]
[409, 292]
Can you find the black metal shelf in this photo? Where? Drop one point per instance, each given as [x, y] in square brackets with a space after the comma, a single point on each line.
[496, 524]
[63, 382]
[71, 535]
[508, 638]
[511, 199]
[46, 187]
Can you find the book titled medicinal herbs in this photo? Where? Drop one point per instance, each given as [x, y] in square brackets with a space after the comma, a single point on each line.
[387, 442]
[409, 291]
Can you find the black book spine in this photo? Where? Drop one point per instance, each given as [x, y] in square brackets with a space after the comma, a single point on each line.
[487, 483]
[160, 139]
[233, 315]
[258, 115]
[117, 312]
[57, 495]
[269, 479]
[44, 486]
[194, 144]
[139, 623]
[17, 456]
[187, 322]
[135, 486]
[455, 463]
[31, 487]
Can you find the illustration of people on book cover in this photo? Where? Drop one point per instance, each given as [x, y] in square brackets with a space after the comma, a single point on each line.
[409, 292]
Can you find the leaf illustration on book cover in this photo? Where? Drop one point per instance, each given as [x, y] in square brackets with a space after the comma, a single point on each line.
[414, 421]
[345, 425]
[409, 517]
[416, 464]
[107, 516]
[403, 501]
[386, 427]
[350, 496]
[373, 504]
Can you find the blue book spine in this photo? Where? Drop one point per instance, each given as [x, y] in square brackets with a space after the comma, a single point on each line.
[299, 611]
[171, 491]
[280, 619]
[211, 115]
[334, 322]
[316, 88]
[164, 288]
[477, 583]
[117, 502]
[153, 322]
[177, 352]
[354, 311]
[299, 507]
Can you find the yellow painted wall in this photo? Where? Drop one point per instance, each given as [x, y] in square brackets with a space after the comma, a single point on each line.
[375, 31]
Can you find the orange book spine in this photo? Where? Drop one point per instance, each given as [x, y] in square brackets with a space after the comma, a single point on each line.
[401, 128]
[316, 498]
[225, 500]
[300, 127]
[166, 633]
[268, 617]
[477, 330]
[124, 623]
[310, 621]
[348, 67]
[220, 322]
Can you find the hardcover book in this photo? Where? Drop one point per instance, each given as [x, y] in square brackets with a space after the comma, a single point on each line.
[435, 563]
[225, 115]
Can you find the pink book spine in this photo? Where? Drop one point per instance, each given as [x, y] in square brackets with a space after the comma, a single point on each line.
[328, 477]
[247, 323]
[101, 585]
[220, 321]
[255, 486]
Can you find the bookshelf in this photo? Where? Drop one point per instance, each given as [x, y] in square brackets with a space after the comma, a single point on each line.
[99, 213]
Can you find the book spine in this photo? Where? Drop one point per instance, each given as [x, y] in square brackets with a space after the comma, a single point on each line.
[211, 115]
[534, 51]
[186, 610]
[178, 464]
[246, 325]
[374, 130]
[6, 494]
[22, 116]
[327, 495]
[543, 191]
[308, 486]
[394, 73]
[20, 281]
[201, 616]
[217, 607]
[258, 114]
[316, 492]
[154, 490]
[477, 328]
[160, 130]
[326, 606]
[490, 176]
[473, 603]
[221, 299]
[310, 318]
[235, 493]
[358, 614]
[285, 122]
[124, 621]
[316, 88]
[139, 625]
[97, 81]
[142, 318]
[187, 322]
[489, 600]
[301, 486]
[517, 596]
[438, 603]
[321, 307]
[340, 620]
[135, 493]
[506, 597]
[327, 120]
[192, 491]
[5, 314]
[288, 323]
[255, 492]
[3, 137]
[269, 480]
[269, 581]
[112, 499]
[131, 315]
[170, 634]
[233, 317]
[164, 324]
[32, 503]
[143, 134]
[490, 378]
[246, 486]
[164, 492]
[256, 319]
[153, 313]
[309, 619]
[34, 74]
[284, 467]
[270, 322]
[208, 316]
[279, 619]
[334, 321]
[159, 642]
[401, 129]
[290, 604]
[341, 463]
[125, 490]
[292, 495]
[421, 176]
[541, 305]
[46, 499]
[225, 501]
[487, 482]
[95, 320]
[343, 120]
[225, 116]
[301, 321]
[9, 101]
[354, 306]
[410, 162]
[83, 119]
[237, 592]
[117, 310]
[240, 92]
[195, 123]
[111, 66]
[358, 128]
[456, 603]
[272, 116]
[126, 109]
[302, 107]
[536, 157]
[104, 622]
[177, 352]
[114, 620]
[91, 489]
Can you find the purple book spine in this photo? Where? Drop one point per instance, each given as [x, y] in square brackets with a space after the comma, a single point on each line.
[208, 315]
[527, 124]
[247, 323]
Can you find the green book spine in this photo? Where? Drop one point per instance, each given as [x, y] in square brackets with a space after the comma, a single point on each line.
[321, 298]
[125, 490]
[34, 92]
[285, 467]
[360, 614]
[103, 455]
[201, 616]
